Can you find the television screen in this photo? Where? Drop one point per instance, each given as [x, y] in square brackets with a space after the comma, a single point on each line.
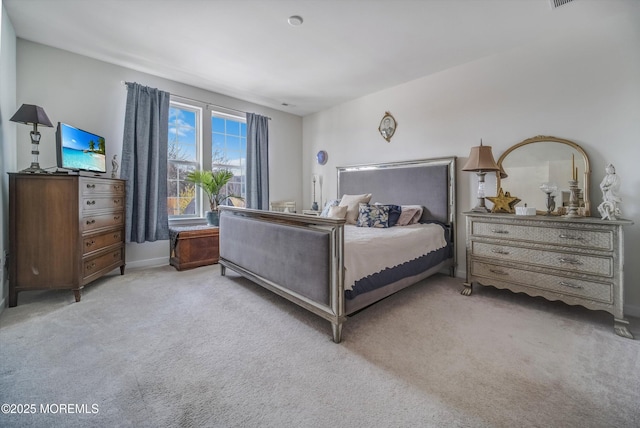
[80, 150]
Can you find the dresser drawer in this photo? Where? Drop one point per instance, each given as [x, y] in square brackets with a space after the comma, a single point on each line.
[581, 263]
[96, 242]
[95, 222]
[581, 238]
[94, 265]
[90, 186]
[101, 203]
[601, 292]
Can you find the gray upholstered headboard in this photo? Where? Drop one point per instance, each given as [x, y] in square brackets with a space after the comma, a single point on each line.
[426, 182]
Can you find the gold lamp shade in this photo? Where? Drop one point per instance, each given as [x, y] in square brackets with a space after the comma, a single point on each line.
[481, 161]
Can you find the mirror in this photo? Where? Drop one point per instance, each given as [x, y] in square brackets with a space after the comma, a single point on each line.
[542, 159]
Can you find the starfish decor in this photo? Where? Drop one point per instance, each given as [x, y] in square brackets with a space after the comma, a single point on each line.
[503, 203]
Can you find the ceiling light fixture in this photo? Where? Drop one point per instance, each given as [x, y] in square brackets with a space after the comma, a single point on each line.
[295, 20]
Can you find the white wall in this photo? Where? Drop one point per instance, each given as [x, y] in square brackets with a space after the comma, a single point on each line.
[7, 136]
[88, 93]
[584, 87]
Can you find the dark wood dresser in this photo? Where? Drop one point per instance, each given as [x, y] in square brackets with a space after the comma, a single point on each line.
[64, 231]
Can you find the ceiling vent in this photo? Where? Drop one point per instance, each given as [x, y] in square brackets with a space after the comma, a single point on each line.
[557, 3]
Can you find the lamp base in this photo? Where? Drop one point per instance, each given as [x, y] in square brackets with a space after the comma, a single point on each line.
[34, 169]
[480, 206]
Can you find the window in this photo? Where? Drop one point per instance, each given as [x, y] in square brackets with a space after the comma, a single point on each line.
[184, 148]
[196, 144]
[229, 150]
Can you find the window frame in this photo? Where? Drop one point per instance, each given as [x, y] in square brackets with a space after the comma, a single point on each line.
[204, 151]
[198, 110]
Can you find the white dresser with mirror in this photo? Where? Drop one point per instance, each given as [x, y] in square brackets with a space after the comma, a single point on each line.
[577, 260]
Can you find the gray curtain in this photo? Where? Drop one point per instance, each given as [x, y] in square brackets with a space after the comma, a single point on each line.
[257, 161]
[144, 163]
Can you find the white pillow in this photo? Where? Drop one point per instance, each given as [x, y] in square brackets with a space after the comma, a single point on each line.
[410, 214]
[352, 202]
[337, 212]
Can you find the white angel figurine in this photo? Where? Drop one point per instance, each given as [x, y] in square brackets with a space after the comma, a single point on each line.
[610, 185]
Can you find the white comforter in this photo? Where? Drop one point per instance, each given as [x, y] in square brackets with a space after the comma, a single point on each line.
[369, 250]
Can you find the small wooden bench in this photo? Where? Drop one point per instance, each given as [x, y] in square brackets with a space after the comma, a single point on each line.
[194, 246]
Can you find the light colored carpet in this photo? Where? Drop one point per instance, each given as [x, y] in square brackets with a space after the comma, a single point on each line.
[161, 348]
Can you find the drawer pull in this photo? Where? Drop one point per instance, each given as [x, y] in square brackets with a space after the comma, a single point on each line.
[570, 261]
[90, 243]
[504, 232]
[116, 255]
[498, 272]
[92, 221]
[91, 186]
[116, 201]
[116, 217]
[499, 251]
[91, 202]
[568, 284]
[91, 266]
[575, 238]
[116, 236]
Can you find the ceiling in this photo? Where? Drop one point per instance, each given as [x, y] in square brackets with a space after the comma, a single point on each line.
[344, 49]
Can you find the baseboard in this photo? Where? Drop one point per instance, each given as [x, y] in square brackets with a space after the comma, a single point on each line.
[147, 263]
[632, 310]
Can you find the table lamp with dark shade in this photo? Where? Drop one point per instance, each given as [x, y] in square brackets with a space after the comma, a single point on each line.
[481, 161]
[34, 115]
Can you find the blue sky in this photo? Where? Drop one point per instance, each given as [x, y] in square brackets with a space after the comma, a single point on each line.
[227, 134]
[76, 138]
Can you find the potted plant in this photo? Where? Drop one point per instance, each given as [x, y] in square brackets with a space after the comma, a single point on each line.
[212, 182]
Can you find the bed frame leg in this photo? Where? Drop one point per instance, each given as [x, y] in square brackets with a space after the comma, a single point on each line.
[223, 270]
[337, 331]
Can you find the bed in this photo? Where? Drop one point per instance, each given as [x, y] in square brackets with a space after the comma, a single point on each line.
[308, 259]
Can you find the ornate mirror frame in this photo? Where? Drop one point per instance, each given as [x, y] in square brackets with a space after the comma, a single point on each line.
[546, 139]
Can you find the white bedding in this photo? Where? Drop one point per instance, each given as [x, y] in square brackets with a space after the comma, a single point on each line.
[369, 250]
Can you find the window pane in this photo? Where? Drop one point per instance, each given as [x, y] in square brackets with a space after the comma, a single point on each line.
[182, 134]
[229, 150]
[183, 149]
[217, 125]
[233, 128]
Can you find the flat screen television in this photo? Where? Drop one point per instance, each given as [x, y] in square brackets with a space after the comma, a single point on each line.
[80, 150]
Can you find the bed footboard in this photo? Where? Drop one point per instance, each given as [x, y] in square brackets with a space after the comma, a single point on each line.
[297, 257]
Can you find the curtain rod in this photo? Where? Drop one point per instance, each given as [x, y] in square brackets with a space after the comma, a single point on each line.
[207, 104]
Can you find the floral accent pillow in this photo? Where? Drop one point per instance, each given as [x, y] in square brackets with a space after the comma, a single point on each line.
[373, 216]
[352, 202]
[394, 213]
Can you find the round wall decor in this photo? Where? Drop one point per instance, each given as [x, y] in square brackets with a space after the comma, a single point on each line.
[322, 157]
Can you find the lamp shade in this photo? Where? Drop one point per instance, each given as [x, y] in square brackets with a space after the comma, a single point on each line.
[503, 174]
[31, 114]
[481, 159]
